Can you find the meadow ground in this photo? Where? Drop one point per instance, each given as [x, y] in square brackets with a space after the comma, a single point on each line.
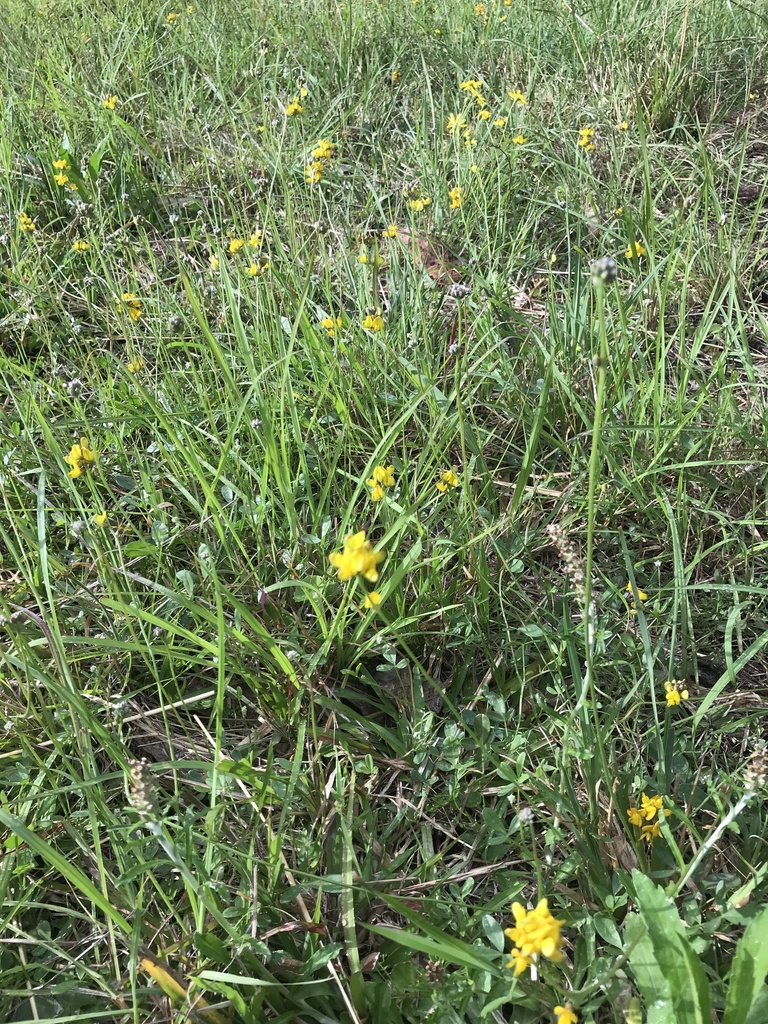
[366, 567]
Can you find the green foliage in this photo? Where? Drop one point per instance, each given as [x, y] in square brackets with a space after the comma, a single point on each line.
[227, 774]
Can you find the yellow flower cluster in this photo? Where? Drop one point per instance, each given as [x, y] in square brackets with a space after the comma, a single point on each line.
[447, 479]
[331, 325]
[60, 166]
[390, 231]
[357, 558]
[650, 807]
[26, 223]
[295, 107]
[373, 320]
[322, 155]
[536, 932]
[473, 87]
[383, 476]
[80, 455]
[110, 102]
[517, 97]
[676, 691]
[456, 197]
[585, 138]
[131, 303]
[80, 245]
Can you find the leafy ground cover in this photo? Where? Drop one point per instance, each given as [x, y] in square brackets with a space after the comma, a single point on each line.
[372, 559]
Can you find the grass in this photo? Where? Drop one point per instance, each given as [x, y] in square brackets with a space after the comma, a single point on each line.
[229, 791]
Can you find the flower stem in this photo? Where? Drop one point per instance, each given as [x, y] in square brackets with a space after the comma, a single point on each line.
[589, 608]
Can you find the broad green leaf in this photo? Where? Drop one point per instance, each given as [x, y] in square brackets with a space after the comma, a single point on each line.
[647, 973]
[677, 961]
[748, 971]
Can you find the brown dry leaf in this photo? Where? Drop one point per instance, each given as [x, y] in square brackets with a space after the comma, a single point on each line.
[431, 257]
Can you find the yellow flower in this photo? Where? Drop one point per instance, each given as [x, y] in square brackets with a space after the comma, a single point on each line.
[383, 476]
[213, 259]
[255, 240]
[110, 102]
[390, 232]
[484, 115]
[565, 1014]
[131, 303]
[618, 211]
[419, 204]
[172, 17]
[357, 558]
[373, 321]
[517, 97]
[500, 122]
[294, 107]
[100, 518]
[60, 179]
[455, 123]
[635, 250]
[473, 86]
[651, 805]
[372, 599]
[622, 126]
[473, 169]
[314, 172]
[135, 365]
[257, 269]
[676, 692]
[396, 76]
[331, 325]
[479, 10]
[519, 139]
[641, 596]
[80, 455]
[323, 150]
[519, 962]
[585, 138]
[635, 816]
[362, 258]
[80, 245]
[447, 479]
[456, 197]
[260, 128]
[26, 223]
[536, 932]
[60, 165]
[650, 832]
[236, 245]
